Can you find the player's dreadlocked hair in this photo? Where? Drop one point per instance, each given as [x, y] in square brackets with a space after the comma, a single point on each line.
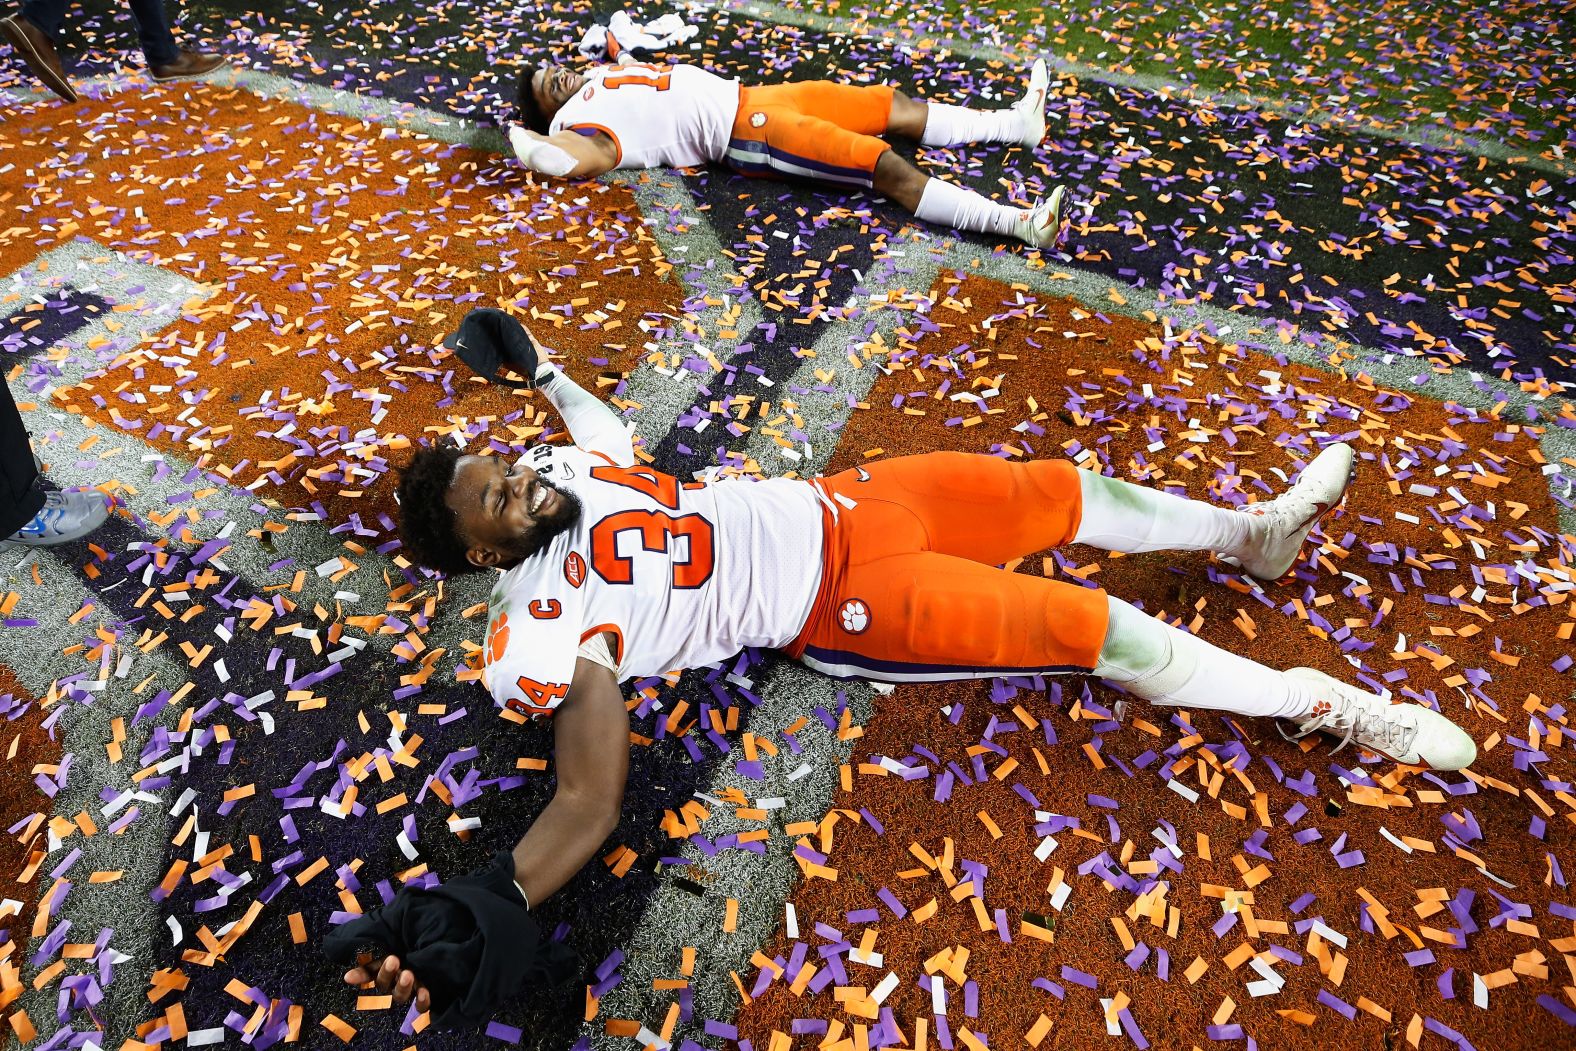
[426, 525]
[526, 109]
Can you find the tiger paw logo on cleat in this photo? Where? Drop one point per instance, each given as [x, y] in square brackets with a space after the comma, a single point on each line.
[854, 616]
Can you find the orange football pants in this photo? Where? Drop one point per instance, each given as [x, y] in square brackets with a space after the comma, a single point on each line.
[812, 129]
[910, 589]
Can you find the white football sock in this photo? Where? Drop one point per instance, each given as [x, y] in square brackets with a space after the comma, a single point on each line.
[1121, 516]
[1165, 665]
[951, 125]
[948, 205]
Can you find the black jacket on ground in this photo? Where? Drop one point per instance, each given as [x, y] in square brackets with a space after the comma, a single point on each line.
[471, 942]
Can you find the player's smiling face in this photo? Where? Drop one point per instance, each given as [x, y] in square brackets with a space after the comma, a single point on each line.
[553, 86]
[506, 512]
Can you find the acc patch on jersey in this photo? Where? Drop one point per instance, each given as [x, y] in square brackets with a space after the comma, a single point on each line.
[575, 569]
[854, 616]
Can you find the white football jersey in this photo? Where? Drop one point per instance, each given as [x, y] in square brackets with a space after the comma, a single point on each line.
[682, 575]
[658, 116]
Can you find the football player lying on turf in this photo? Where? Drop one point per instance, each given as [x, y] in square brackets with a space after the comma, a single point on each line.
[647, 116]
[888, 572]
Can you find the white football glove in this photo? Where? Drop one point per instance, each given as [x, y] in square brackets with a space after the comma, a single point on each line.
[540, 156]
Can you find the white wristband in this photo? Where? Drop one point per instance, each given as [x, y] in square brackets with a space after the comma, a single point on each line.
[539, 156]
[522, 895]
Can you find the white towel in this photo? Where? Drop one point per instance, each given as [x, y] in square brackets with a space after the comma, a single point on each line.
[622, 34]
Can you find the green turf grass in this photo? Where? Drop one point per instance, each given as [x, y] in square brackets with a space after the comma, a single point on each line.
[1390, 61]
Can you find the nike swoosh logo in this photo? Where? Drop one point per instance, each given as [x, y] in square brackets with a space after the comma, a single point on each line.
[1318, 511]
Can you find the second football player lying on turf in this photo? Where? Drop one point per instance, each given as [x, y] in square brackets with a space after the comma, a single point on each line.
[609, 570]
[647, 116]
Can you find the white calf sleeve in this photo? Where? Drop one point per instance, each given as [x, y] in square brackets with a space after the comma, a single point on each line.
[949, 125]
[1121, 516]
[1165, 665]
[948, 205]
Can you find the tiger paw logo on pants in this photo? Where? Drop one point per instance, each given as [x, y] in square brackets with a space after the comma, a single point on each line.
[854, 616]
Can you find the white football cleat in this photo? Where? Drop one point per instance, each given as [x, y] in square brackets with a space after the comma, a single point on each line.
[1284, 522]
[1042, 225]
[1405, 733]
[1032, 105]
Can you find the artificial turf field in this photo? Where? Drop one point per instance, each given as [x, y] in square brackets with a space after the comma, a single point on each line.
[236, 714]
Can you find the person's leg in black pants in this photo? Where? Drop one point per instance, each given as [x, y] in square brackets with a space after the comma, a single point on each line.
[153, 32]
[20, 495]
[28, 513]
[34, 31]
[153, 26]
[48, 15]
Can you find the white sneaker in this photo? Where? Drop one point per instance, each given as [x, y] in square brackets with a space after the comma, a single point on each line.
[65, 516]
[1405, 733]
[1284, 522]
[1042, 225]
[1032, 105]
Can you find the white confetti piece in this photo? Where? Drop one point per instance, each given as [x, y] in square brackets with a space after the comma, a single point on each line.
[1329, 935]
[1386, 834]
[1269, 973]
[184, 801]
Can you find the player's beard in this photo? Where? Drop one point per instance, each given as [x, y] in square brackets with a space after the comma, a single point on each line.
[531, 542]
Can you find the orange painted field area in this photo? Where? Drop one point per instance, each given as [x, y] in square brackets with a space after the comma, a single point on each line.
[1000, 930]
[335, 254]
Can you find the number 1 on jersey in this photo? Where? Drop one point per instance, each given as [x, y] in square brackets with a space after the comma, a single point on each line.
[658, 77]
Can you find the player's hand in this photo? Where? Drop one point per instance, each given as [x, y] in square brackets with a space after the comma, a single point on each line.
[546, 368]
[391, 979]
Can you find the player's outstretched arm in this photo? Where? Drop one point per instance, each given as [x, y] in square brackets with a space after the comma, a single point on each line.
[592, 425]
[591, 746]
[591, 753]
[567, 154]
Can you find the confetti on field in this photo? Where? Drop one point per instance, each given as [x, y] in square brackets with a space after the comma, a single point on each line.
[238, 716]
